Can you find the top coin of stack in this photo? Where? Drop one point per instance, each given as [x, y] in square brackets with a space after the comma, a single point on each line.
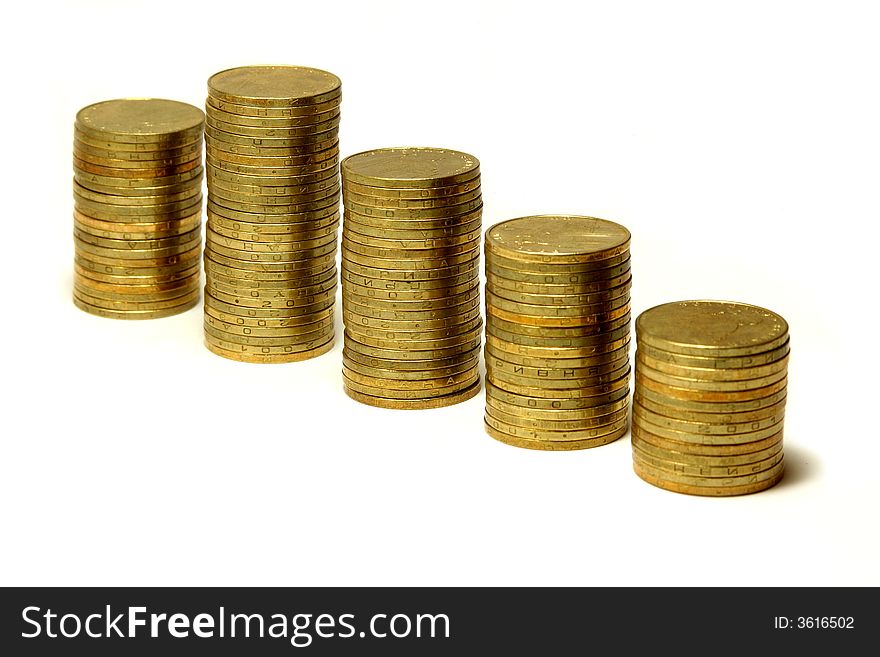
[557, 331]
[137, 192]
[410, 277]
[273, 212]
[710, 397]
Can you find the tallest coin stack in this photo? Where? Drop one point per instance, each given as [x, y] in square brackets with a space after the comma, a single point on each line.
[273, 212]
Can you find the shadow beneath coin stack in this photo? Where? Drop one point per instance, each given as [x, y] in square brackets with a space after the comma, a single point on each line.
[801, 465]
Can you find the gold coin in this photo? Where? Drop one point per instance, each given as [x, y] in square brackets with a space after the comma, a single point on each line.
[242, 317]
[377, 203]
[543, 424]
[727, 418]
[408, 354]
[362, 294]
[133, 288]
[242, 281]
[712, 374]
[135, 314]
[711, 328]
[432, 236]
[617, 355]
[555, 332]
[703, 428]
[412, 404]
[705, 470]
[274, 246]
[138, 245]
[713, 491]
[318, 336]
[537, 402]
[700, 384]
[331, 111]
[769, 474]
[248, 110]
[600, 277]
[557, 311]
[294, 234]
[577, 374]
[609, 295]
[86, 179]
[718, 363]
[463, 294]
[412, 193]
[108, 215]
[328, 222]
[439, 365]
[394, 286]
[264, 183]
[266, 332]
[114, 200]
[413, 214]
[85, 150]
[212, 136]
[138, 192]
[503, 287]
[471, 337]
[299, 255]
[304, 313]
[649, 450]
[410, 315]
[274, 86]
[246, 354]
[699, 449]
[132, 231]
[276, 132]
[553, 445]
[411, 375]
[704, 438]
[127, 163]
[426, 274]
[267, 279]
[434, 223]
[557, 239]
[405, 337]
[152, 173]
[266, 195]
[394, 386]
[537, 351]
[581, 342]
[616, 428]
[140, 120]
[420, 244]
[726, 396]
[381, 389]
[318, 201]
[599, 267]
[99, 296]
[498, 402]
[109, 304]
[137, 279]
[274, 218]
[304, 305]
[158, 266]
[712, 406]
[354, 320]
[410, 265]
[581, 392]
[305, 294]
[270, 171]
[174, 142]
[410, 167]
[271, 162]
[307, 267]
[471, 249]
[141, 258]
[504, 377]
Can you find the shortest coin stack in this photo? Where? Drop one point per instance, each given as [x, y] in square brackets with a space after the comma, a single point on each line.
[137, 190]
[710, 397]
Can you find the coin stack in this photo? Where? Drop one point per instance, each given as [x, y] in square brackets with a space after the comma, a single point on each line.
[410, 277]
[557, 332]
[273, 213]
[137, 190]
[710, 397]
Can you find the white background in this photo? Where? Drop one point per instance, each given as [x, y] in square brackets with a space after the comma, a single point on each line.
[737, 141]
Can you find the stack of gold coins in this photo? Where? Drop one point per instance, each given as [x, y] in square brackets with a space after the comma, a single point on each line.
[137, 190]
[273, 212]
[410, 277]
[557, 332]
[710, 397]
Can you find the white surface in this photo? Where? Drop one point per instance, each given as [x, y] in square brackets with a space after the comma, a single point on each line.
[739, 143]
